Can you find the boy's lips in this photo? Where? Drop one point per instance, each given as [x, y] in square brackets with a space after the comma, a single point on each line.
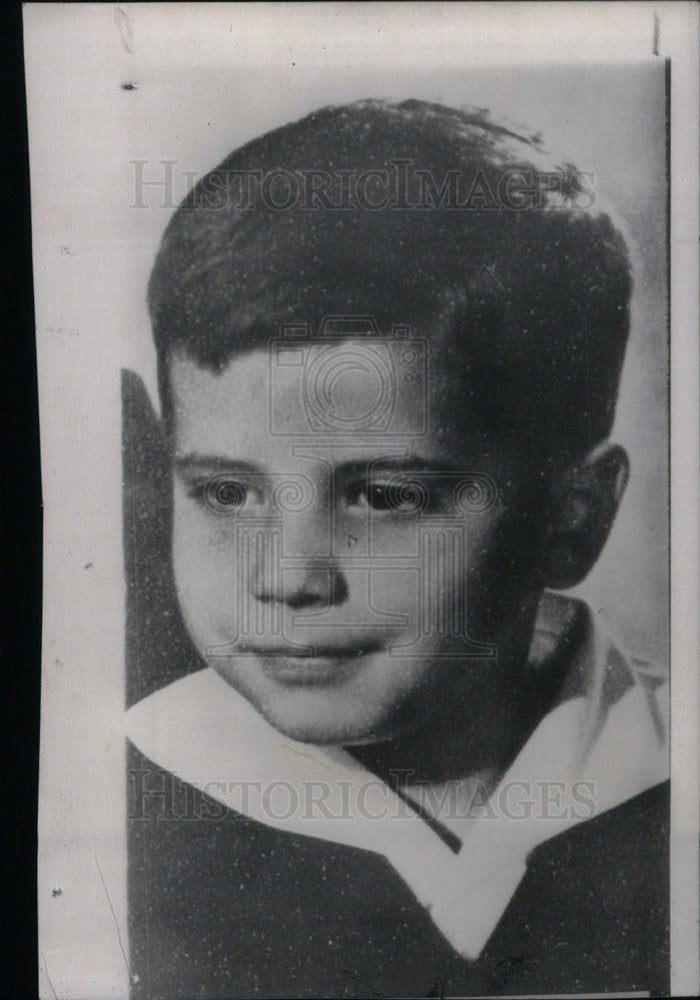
[312, 650]
[311, 665]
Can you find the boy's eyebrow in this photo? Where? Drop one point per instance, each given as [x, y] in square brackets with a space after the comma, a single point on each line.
[194, 461]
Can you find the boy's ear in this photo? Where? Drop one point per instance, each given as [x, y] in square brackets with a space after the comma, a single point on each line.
[585, 499]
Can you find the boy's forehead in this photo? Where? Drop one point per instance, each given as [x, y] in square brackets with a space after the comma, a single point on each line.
[366, 393]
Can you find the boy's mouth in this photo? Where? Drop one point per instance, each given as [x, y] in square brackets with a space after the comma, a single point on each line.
[313, 665]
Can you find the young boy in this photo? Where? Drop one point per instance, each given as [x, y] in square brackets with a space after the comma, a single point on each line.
[390, 762]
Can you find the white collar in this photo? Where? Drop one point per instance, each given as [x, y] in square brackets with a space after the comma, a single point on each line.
[607, 729]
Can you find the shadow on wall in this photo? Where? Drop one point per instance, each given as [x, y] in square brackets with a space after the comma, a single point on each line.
[158, 648]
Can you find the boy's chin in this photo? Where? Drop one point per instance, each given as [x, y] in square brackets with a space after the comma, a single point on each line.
[309, 715]
[324, 714]
[332, 728]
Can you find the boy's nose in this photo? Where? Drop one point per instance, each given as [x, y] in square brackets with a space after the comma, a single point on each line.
[297, 568]
[303, 587]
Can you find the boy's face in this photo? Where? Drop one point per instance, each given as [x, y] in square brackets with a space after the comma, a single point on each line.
[344, 580]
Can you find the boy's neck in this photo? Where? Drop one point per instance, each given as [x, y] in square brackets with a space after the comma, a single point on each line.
[454, 744]
[435, 754]
[454, 739]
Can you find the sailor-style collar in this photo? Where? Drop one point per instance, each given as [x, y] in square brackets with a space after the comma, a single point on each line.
[606, 735]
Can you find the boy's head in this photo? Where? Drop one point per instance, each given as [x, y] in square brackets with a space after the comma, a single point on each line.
[362, 319]
[505, 264]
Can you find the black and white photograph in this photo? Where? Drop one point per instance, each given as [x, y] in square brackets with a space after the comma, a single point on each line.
[365, 338]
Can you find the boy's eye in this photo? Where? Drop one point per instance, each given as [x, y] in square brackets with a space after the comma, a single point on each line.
[398, 497]
[223, 494]
[393, 497]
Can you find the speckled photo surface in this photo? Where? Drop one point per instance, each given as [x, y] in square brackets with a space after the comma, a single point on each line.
[367, 460]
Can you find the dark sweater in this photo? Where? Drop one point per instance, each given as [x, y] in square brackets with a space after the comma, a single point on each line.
[222, 906]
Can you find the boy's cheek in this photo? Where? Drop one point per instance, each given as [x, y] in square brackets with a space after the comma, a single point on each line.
[206, 576]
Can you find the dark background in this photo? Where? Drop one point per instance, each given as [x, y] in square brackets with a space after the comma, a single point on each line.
[20, 512]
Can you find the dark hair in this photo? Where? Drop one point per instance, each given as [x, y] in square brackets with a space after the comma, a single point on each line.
[412, 213]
